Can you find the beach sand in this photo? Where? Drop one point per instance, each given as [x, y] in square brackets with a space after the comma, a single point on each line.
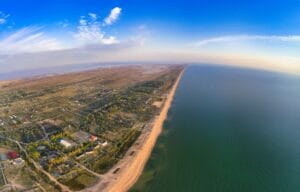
[127, 171]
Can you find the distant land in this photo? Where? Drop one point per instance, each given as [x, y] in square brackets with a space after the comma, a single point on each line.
[61, 69]
[55, 70]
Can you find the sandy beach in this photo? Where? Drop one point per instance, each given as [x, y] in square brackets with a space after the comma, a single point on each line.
[127, 171]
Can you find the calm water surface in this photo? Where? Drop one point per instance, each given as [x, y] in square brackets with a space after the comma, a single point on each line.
[228, 130]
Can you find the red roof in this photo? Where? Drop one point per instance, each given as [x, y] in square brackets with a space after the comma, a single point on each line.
[93, 138]
[12, 155]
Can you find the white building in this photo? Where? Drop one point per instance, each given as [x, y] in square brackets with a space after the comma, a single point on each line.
[66, 143]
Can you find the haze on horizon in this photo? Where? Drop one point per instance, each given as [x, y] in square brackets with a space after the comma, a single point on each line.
[256, 34]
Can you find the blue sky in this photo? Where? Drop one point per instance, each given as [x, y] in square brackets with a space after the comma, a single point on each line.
[261, 34]
[196, 18]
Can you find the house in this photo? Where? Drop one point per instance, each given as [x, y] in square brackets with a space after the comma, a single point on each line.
[18, 161]
[12, 155]
[104, 144]
[66, 143]
[93, 138]
[81, 136]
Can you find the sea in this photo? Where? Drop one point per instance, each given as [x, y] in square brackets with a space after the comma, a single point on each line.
[228, 130]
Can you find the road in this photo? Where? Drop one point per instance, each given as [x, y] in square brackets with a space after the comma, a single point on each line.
[4, 178]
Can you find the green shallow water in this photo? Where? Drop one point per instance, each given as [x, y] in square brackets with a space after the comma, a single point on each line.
[228, 130]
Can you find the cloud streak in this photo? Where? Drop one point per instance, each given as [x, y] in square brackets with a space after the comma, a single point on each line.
[240, 38]
[113, 16]
[28, 39]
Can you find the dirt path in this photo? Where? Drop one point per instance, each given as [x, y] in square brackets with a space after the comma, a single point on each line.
[127, 171]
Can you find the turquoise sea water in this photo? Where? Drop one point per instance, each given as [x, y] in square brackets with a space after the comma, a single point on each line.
[230, 130]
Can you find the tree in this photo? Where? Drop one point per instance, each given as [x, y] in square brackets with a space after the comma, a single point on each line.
[35, 155]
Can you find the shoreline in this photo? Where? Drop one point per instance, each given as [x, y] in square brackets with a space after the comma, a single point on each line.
[131, 166]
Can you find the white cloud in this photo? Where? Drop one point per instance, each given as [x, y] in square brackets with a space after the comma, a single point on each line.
[28, 39]
[113, 16]
[89, 32]
[3, 18]
[2, 21]
[82, 21]
[65, 23]
[33, 39]
[93, 16]
[239, 38]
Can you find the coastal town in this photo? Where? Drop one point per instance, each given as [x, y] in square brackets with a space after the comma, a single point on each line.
[67, 132]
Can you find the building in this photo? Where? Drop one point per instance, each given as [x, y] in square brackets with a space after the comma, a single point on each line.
[66, 143]
[18, 161]
[12, 155]
[83, 137]
[93, 138]
[104, 144]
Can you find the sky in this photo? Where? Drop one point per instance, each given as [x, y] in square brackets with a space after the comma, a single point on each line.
[263, 34]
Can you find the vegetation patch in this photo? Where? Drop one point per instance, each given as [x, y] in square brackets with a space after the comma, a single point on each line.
[80, 181]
